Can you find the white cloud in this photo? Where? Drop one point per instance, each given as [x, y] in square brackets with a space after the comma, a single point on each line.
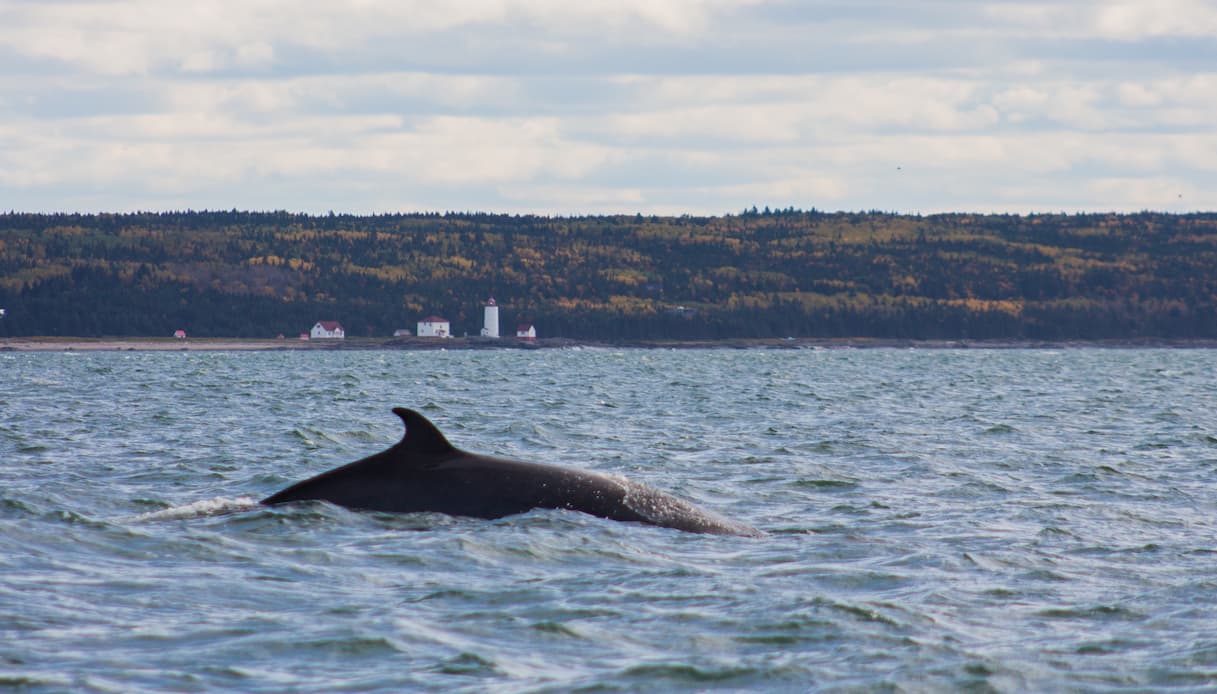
[1142, 192]
[470, 150]
[133, 37]
[1122, 20]
[1132, 19]
[625, 105]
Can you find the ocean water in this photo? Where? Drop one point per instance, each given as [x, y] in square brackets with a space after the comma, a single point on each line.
[938, 520]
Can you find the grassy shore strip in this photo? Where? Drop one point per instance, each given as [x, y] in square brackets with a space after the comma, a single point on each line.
[222, 344]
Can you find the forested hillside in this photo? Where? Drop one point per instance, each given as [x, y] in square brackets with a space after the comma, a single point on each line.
[766, 274]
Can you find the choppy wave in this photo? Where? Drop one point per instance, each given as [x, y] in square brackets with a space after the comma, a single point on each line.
[1037, 520]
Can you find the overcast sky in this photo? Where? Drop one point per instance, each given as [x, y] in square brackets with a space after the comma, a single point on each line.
[607, 106]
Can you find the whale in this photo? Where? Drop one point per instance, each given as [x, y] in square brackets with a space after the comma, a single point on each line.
[423, 472]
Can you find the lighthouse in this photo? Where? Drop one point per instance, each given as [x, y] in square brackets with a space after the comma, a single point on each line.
[490, 323]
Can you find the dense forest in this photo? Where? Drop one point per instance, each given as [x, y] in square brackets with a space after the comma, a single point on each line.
[756, 274]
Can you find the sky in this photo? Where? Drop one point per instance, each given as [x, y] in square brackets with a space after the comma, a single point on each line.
[554, 107]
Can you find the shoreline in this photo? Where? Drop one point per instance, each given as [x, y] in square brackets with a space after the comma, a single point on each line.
[221, 344]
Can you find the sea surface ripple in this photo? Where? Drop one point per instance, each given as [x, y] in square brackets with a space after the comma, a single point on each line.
[939, 520]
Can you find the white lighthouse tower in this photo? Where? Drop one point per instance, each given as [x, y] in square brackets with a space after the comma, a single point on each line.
[490, 324]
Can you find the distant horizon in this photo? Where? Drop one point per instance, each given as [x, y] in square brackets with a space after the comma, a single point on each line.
[740, 213]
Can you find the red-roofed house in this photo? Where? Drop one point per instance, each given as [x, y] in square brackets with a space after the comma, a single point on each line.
[526, 331]
[434, 326]
[327, 329]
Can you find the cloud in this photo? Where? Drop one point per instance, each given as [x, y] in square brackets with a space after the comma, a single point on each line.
[1121, 20]
[1131, 20]
[135, 37]
[702, 106]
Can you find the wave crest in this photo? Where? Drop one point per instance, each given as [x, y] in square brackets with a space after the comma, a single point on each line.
[202, 509]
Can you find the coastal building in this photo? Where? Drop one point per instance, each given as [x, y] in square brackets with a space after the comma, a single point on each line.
[526, 331]
[327, 329]
[682, 311]
[490, 322]
[179, 334]
[402, 332]
[434, 326]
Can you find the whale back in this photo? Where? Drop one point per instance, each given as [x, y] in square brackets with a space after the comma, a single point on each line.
[423, 472]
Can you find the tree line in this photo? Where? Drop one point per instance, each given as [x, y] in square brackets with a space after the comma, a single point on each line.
[752, 275]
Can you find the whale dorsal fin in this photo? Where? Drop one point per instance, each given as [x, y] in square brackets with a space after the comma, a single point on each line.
[421, 435]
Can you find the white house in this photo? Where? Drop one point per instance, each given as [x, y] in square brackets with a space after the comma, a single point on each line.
[327, 329]
[434, 326]
[526, 331]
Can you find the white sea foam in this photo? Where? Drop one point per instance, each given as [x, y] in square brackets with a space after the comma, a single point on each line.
[201, 509]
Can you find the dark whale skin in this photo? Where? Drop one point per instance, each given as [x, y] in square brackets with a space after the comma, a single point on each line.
[425, 473]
